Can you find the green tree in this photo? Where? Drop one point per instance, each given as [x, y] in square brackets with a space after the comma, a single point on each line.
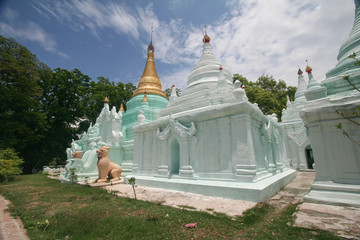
[22, 123]
[64, 101]
[117, 94]
[42, 110]
[10, 165]
[269, 94]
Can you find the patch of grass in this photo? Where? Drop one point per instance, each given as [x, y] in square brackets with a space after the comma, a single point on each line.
[186, 207]
[254, 214]
[51, 210]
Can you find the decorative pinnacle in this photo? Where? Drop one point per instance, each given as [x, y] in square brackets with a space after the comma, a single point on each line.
[145, 97]
[152, 30]
[299, 71]
[206, 38]
[106, 100]
[121, 107]
[151, 47]
[308, 69]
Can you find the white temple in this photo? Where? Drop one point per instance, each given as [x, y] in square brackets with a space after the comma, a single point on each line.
[334, 101]
[298, 148]
[212, 140]
[105, 132]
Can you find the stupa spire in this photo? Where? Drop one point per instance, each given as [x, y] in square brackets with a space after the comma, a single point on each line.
[149, 81]
[346, 66]
[207, 69]
[206, 38]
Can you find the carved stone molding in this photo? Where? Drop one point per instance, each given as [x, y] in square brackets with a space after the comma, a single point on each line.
[176, 127]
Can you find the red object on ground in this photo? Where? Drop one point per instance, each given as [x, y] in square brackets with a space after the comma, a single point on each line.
[191, 225]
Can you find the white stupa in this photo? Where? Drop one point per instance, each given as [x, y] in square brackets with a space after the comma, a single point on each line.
[297, 141]
[212, 140]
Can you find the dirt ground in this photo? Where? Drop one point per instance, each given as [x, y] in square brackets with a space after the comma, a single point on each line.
[186, 200]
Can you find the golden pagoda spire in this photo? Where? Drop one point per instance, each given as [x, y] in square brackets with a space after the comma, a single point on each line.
[106, 100]
[149, 81]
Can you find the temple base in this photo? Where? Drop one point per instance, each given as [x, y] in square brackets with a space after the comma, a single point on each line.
[327, 192]
[248, 191]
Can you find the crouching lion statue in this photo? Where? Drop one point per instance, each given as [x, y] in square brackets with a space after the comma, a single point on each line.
[105, 167]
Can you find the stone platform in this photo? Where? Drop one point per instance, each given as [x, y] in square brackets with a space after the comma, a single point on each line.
[341, 220]
[258, 191]
[327, 192]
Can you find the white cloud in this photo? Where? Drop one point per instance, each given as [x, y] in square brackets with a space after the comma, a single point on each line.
[91, 15]
[10, 15]
[29, 31]
[253, 37]
[256, 37]
[178, 78]
[171, 39]
[274, 37]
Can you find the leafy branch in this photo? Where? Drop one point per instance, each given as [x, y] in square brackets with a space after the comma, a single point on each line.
[353, 56]
[132, 183]
[347, 78]
[355, 114]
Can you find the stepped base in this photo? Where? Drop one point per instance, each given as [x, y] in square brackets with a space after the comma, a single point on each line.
[258, 191]
[327, 192]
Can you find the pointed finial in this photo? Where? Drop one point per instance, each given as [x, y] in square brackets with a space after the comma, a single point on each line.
[121, 107]
[151, 47]
[145, 99]
[299, 71]
[152, 30]
[106, 100]
[206, 38]
[308, 69]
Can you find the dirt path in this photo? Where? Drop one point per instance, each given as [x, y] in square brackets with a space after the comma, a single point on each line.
[293, 193]
[10, 228]
[186, 200]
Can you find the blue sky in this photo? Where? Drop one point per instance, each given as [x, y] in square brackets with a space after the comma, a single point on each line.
[109, 38]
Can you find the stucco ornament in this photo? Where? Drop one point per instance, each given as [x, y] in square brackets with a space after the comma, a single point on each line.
[179, 129]
[105, 167]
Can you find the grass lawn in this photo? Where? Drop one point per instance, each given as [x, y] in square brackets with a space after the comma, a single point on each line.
[52, 210]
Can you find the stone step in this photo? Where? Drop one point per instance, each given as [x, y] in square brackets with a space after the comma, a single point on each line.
[333, 198]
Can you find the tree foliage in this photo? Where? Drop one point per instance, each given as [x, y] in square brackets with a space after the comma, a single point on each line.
[168, 92]
[116, 93]
[269, 94]
[22, 123]
[10, 164]
[42, 110]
